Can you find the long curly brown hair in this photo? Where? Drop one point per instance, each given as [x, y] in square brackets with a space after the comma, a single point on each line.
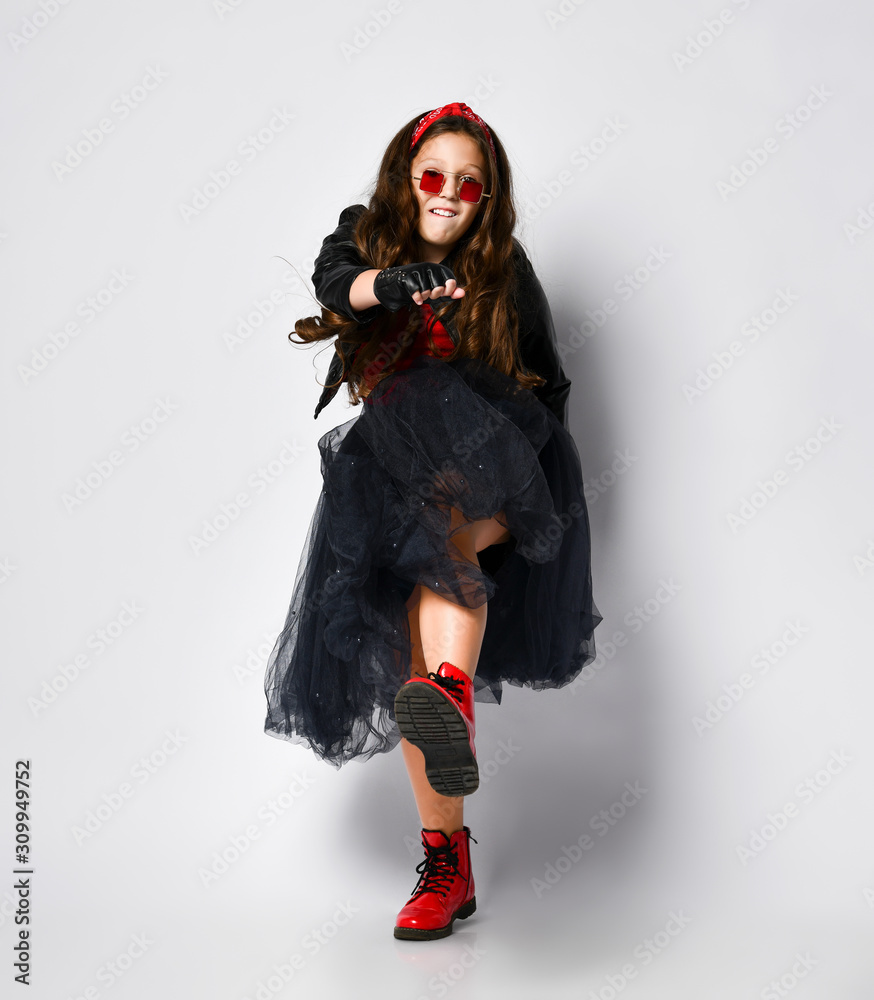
[485, 319]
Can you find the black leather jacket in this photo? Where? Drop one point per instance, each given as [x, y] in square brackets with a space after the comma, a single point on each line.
[339, 264]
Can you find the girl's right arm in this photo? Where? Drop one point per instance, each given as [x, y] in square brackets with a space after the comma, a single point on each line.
[361, 293]
[337, 268]
[344, 283]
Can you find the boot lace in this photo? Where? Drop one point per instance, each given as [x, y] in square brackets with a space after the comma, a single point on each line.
[452, 685]
[437, 870]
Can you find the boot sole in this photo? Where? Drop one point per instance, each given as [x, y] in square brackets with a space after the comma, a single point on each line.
[424, 934]
[436, 726]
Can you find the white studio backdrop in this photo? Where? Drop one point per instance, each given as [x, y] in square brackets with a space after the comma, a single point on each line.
[695, 188]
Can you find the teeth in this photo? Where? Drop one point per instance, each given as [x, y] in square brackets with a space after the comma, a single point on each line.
[444, 212]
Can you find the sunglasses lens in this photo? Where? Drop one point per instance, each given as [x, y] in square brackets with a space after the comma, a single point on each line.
[470, 190]
[432, 181]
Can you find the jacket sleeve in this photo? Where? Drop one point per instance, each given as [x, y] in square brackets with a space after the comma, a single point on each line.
[538, 348]
[338, 265]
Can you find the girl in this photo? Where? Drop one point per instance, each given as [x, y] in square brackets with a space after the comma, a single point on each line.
[449, 549]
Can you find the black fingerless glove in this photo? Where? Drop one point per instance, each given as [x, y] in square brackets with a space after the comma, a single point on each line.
[394, 286]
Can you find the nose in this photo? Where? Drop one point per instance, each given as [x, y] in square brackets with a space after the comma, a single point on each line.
[450, 186]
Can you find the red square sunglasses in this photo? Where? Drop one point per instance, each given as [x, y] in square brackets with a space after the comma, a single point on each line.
[469, 189]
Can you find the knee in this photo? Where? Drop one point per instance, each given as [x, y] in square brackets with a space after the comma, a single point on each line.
[479, 535]
[491, 532]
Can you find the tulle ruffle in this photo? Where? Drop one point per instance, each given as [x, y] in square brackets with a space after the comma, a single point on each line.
[434, 436]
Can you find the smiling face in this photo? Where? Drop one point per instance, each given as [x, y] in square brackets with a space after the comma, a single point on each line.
[444, 218]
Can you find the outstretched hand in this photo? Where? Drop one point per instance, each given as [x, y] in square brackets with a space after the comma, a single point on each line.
[397, 287]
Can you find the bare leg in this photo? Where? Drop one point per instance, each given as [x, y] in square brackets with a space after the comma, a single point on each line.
[442, 630]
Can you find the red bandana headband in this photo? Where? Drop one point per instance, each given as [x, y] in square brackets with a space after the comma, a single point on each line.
[451, 109]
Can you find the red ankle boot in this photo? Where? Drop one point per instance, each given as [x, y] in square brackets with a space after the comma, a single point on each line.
[436, 715]
[445, 890]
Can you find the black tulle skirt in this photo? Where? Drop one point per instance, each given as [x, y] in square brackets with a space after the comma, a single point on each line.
[434, 436]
